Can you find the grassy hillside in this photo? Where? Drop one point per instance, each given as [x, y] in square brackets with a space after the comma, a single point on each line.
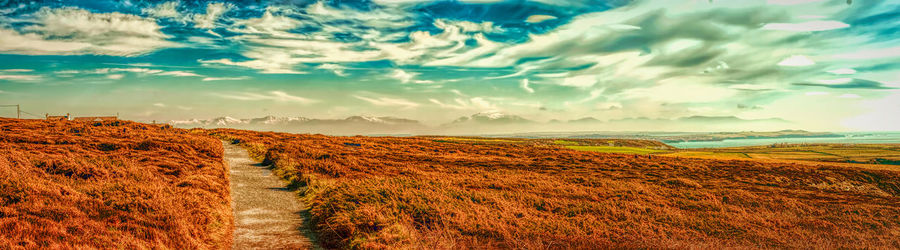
[425, 192]
[111, 185]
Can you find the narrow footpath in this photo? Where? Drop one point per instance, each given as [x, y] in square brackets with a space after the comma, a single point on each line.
[267, 215]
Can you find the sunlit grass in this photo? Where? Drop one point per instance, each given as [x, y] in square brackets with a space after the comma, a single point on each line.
[709, 155]
[564, 142]
[619, 150]
[111, 185]
[422, 193]
[478, 140]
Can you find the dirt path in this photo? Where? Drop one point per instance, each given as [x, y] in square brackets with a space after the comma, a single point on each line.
[267, 215]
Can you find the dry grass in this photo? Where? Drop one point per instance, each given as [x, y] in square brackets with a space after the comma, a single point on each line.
[383, 192]
[111, 185]
[885, 156]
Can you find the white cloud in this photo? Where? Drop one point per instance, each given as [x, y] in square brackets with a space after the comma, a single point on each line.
[115, 76]
[20, 77]
[207, 79]
[164, 10]
[159, 104]
[213, 12]
[136, 70]
[539, 18]
[179, 73]
[524, 85]
[816, 93]
[337, 69]
[464, 26]
[17, 70]
[403, 76]
[278, 96]
[272, 48]
[849, 96]
[593, 95]
[74, 31]
[389, 102]
[806, 26]
[836, 81]
[582, 81]
[796, 61]
[272, 65]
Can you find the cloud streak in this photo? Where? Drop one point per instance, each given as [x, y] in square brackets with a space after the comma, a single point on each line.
[277, 96]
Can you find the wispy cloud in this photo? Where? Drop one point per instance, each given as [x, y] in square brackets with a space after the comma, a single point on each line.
[20, 77]
[524, 85]
[335, 68]
[474, 103]
[817, 25]
[179, 73]
[278, 96]
[213, 12]
[17, 70]
[388, 101]
[847, 83]
[207, 79]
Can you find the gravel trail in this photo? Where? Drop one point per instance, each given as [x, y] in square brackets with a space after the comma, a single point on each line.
[267, 214]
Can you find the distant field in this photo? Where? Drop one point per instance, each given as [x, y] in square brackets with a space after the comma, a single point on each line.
[884, 154]
[426, 192]
[880, 154]
[111, 185]
[621, 150]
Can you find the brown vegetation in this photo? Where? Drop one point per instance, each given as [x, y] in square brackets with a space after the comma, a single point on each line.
[424, 192]
[111, 184]
[881, 154]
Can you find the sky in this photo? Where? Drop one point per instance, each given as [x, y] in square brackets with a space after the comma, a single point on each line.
[831, 65]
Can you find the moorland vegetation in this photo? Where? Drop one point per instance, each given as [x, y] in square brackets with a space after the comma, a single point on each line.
[430, 192]
[111, 184]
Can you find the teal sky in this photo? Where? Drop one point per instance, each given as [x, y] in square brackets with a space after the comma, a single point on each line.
[821, 65]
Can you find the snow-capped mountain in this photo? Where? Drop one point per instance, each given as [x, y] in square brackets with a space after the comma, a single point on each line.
[350, 125]
[224, 121]
[382, 119]
[492, 117]
[272, 120]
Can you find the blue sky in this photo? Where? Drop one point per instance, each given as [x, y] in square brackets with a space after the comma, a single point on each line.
[822, 65]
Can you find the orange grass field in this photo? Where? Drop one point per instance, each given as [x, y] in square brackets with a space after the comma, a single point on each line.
[426, 192]
[118, 184]
[129, 185]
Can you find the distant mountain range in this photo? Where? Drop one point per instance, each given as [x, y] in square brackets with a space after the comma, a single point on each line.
[491, 122]
[350, 125]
